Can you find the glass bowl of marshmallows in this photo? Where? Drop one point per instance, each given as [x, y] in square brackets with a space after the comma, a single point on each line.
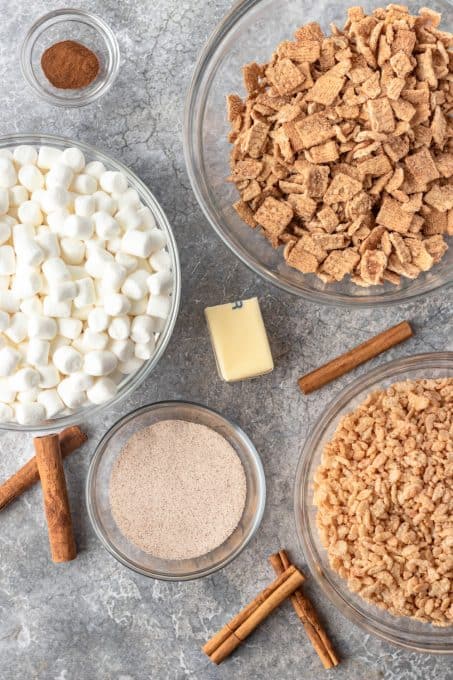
[89, 281]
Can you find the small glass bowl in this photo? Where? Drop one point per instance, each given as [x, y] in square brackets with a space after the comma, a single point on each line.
[401, 631]
[98, 482]
[70, 24]
[251, 32]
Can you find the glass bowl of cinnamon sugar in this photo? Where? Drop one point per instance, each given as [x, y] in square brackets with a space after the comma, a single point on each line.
[80, 79]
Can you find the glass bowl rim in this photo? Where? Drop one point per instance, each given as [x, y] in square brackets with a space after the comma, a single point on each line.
[103, 30]
[387, 632]
[100, 450]
[194, 108]
[164, 224]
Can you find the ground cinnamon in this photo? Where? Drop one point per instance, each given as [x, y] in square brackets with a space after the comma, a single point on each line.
[69, 65]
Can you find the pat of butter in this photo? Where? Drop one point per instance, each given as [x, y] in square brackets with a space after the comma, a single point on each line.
[239, 340]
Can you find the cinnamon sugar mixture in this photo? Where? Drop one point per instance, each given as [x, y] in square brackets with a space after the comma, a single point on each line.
[177, 490]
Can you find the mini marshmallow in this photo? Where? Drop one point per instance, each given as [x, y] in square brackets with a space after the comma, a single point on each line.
[160, 282]
[25, 379]
[74, 158]
[69, 328]
[69, 396]
[106, 226]
[105, 203]
[18, 328]
[27, 282]
[142, 329]
[145, 350]
[5, 232]
[128, 199]
[119, 328]
[6, 413]
[81, 312]
[147, 218]
[64, 290]
[28, 396]
[4, 201]
[95, 168]
[122, 349]
[135, 286]
[51, 307]
[54, 198]
[4, 282]
[42, 327]
[113, 277]
[6, 153]
[7, 393]
[130, 366]
[129, 262]
[60, 175]
[29, 252]
[78, 227]
[8, 174]
[72, 250]
[85, 206]
[31, 178]
[98, 320]
[160, 261]
[51, 401]
[29, 414]
[159, 305]
[67, 359]
[86, 294]
[25, 155]
[48, 243]
[113, 182]
[103, 390]
[38, 352]
[31, 306]
[48, 376]
[114, 245]
[9, 359]
[7, 261]
[4, 321]
[99, 363]
[116, 304]
[48, 156]
[128, 218]
[90, 340]
[55, 270]
[8, 301]
[56, 220]
[96, 261]
[84, 184]
[81, 381]
[17, 195]
[76, 272]
[137, 243]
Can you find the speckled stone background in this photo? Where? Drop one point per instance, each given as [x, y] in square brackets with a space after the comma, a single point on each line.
[93, 619]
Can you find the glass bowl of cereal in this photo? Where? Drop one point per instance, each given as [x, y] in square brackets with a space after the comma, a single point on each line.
[371, 502]
[273, 165]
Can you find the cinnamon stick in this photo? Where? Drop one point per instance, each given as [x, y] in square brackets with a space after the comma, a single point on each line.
[304, 610]
[223, 643]
[346, 362]
[55, 494]
[70, 440]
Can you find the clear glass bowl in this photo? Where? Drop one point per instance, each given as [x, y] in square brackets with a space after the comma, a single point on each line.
[97, 492]
[131, 382]
[251, 32]
[70, 24]
[402, 631]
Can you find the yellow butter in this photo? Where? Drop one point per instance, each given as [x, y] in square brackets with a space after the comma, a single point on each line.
[239, 340]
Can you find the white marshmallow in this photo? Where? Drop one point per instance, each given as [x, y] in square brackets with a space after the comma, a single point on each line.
[48, 376]
[42, 327]
[6, 413]
[160, 283]
[72, 250]
[119, 328]
[4, 282]
[48, 242]
[129, 262]
[54, 198]
[114, 245]
[113, 277]
[52, 402]
[29, 212]
[70, 397]
[86, 294]
[142, 243]
[7, 261]
[64, 290]
[122, 349]
[76, 272]
[95, 168]
[48, 156]
[113, 182]
[147, 218]
[7, 393]
[9, 359]
[17, 195]
[135, 286]
[159, 305]
[74, 158]
[78, 227]
[4, 321]
[96, 261]
[130, 366]
[38, 352]
[106, 226]
[31, 306]
[8, 174]
[128, 218]
[60, 175]
[105, 203]
[4, 201]
[116, 304]
[18, 328]
[29, 252]
[29, 414]
[28, 396]
[98, 320]
[8, 301]
[82, 313]
[56, 220]
[84, 184]
[30, 177]
[90, 340]
[25, 379]
[69, 328]
[99, 363]
[5, 232]
[6, 153]
[51, 307]
[27, 282]
[84, 206]
[103, 390]
[145, 350]
[128, 199]
[55, 271]
[142, 329]
[67, 359]
[25, 155]
[81, 381]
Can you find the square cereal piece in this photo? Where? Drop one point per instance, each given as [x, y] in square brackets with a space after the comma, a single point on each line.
[440, 197]
[444, 163]
[245, 213]
[381, 115]
[255, 139]
[404, 41]
[308, 243]
[251, 74]
[274, 216]
[421, 166]
[326, 88]
[301, 259]
[235, 106]
[401, 64]
[435, 222]
[315, 129]
[251, 191]
[376, 166]
[372, 266]
[340, 262]
[436, 247]
[285, 76]
[328, 218]
[396, 148]
[342, 188]
[324, 153]
[300, 51]
[303, 206]
[310, 31]
[392, 216]
[315, 179]
[246, 169]
[419, 255]
[331, 241]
